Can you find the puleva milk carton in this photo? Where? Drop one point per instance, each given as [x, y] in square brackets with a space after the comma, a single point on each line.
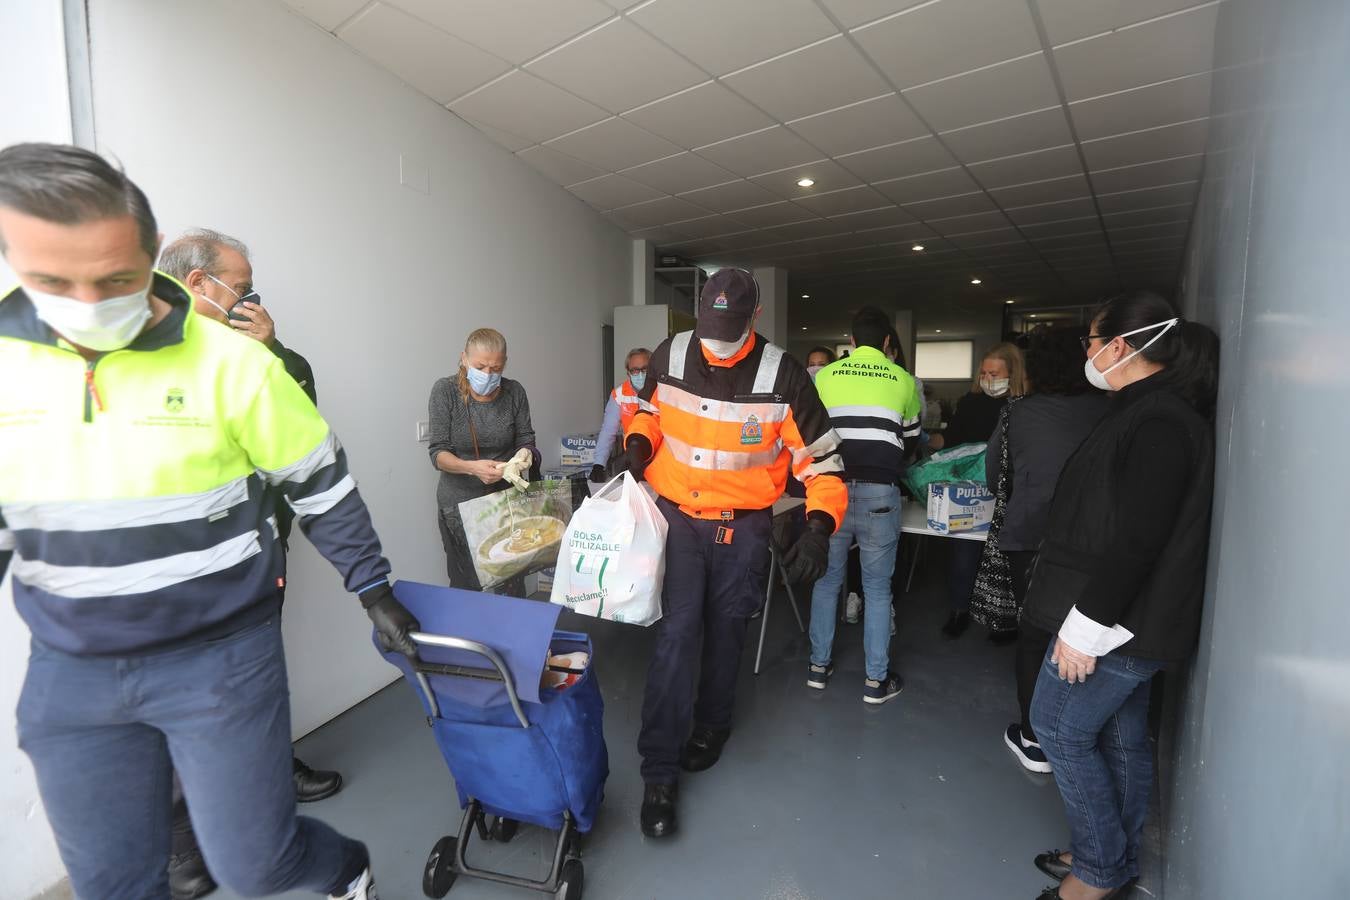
[959, 506]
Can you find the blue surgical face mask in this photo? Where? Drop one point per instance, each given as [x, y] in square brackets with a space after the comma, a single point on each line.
[483, 383]
[638, 380]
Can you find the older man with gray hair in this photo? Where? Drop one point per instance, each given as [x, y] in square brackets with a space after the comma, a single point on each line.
[217, 270]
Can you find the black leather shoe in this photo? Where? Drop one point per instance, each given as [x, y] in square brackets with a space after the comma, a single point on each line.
[313, 784]
[1001, 637]
[1050, 863]
[1050, 893]
[188, 877]
[658, 810]
[956, 624]
[704, 748]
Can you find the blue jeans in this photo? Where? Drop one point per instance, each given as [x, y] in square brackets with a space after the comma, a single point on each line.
[106, 733]
[1095, 735]
[873, 520]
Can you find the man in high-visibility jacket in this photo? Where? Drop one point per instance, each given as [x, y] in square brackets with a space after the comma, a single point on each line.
[139, 445]
[724, 416]
[619, 411]
[875, 409]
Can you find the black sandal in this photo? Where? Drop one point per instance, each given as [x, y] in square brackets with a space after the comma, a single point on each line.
[1051, 864]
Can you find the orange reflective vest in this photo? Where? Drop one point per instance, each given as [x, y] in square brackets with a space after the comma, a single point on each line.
[726, 432]
[627, 398]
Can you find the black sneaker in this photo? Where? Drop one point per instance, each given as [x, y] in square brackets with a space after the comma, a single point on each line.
[658, 810]
[819, 676]
[956, 625]
[1028, 753]
[883, 690]
[704, 748]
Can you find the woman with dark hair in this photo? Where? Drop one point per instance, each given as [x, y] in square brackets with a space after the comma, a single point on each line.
[1120, 579]
[1043, 430]
[817, 359]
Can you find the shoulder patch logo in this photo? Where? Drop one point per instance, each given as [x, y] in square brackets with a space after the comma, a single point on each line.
[173, 400]
[752, 432]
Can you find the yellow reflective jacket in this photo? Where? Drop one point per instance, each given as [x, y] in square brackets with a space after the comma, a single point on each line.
[137, 490]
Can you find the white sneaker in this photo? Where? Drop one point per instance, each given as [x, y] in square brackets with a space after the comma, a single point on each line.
[852, 609]
[362, 888]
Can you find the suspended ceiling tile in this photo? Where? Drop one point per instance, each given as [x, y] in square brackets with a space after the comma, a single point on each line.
[874, 218]
[617, 66]
[837, 203]
[969, 224]
[947, 207]
[1178, 100]
[521, 104]
[1167, 171]
[901, 160]
[1071, 20]
[721, 37]
[1090, 239]
[827, 175]
[1077, 208]
[781, 213]
[852, 13]
[731, 196]
[1148, 198]
[1161, 215]
[701, 115]
[764, 151]
[439, 65]
[1048, 191]
[1039, 130]
[994, 237]
[1174, 228]
[515, 31]
[1170, 47]
[810, 228]
[327, 14]
[996, 92]
[1038, 165]
[666, 211]
[904, 236]
[936, 40]
[861, 126]
[611, 191]
[928, 186]
[559, 167]
[711, 227]
[679, 173]
[509, 141]
[661, 234]
[1085, 225]
[614, 144]
[813, 79]
[1183, 139]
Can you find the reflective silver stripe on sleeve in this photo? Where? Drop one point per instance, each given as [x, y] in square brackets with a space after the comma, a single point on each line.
[651, 407]
[830, 465]
[6, 539]
[83, 582]
[720, 410]
[824, 445]
[721, 460]
[871, 434]
[325, 454]
[679, 351]
[767, 374]
[870, 412]
[102, 515]
[318, 504]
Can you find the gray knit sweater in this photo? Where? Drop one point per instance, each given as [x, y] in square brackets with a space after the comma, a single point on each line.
[502, 425]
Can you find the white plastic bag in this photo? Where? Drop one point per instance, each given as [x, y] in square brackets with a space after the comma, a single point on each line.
[613, 556]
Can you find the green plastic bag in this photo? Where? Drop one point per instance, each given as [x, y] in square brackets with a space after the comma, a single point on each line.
[963, 463]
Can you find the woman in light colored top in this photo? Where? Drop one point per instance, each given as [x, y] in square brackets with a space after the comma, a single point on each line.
[480, 433]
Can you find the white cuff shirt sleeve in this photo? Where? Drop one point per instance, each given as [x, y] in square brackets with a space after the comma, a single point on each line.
[1091, 637]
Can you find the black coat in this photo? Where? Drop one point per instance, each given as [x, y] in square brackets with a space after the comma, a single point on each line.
[1128, 532]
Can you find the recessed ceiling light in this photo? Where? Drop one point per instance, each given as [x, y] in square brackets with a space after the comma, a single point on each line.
[917, 247]
[805, 182]
[937, 331]
[1009, 302]
[806, 296]
[974, 281]
[803, 328]
[1031, 315]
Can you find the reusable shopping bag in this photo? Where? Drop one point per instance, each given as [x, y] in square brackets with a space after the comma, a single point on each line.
[514, 532]
[613, 556]
[992, 603]
[963, 463]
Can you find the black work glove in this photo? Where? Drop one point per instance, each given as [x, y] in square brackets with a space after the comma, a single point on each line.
[638, 452]
[391, 619]
[810, 556]
[598, 473]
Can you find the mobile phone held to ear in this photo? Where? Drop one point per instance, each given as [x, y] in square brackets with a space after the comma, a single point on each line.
[236, 311]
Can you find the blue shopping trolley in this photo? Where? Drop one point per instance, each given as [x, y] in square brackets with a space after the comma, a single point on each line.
[518, 752]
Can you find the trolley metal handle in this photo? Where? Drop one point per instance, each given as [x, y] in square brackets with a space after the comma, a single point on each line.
[453, 643]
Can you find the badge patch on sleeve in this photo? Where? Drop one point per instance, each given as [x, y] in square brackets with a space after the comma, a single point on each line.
[752, 432]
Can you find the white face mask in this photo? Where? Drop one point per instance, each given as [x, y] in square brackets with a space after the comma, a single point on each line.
[812, 370]
[1098, 378]
[994, 387]
[725, 349]
[106, 325]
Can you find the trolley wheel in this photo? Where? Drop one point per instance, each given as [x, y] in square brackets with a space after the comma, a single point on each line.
[439, 875]
[571, 879]
[503, 829]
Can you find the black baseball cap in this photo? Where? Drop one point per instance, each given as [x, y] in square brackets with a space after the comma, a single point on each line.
[727, 304]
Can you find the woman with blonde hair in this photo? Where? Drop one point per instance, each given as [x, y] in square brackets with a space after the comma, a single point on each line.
[480, 432]
[1002, 375]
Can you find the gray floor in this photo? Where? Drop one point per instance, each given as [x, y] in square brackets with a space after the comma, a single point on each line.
[817, 795]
